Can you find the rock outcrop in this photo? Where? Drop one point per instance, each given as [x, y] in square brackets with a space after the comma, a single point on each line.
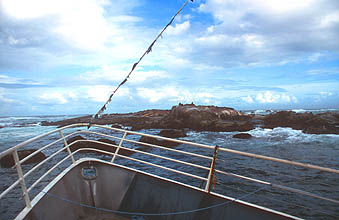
[325, 123]
[155, 141]
[8, 160]
[200, 118]
[172, 133]
[242, 136]
[207, 118]
[213, 118]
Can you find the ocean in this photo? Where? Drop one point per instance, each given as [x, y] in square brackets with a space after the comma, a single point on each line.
[284, 143]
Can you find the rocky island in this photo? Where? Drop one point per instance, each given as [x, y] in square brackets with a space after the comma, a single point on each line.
[213, 118]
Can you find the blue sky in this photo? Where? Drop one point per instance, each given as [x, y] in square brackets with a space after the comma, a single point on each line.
[65, 57]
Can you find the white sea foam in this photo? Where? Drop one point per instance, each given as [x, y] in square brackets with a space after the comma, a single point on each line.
[263, 112]
[282, 134]
[300, 110]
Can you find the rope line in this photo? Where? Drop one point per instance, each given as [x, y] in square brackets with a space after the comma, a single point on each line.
[149, 49]
[153, 214]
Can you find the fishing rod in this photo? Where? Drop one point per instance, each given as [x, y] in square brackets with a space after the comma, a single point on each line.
[149, 49]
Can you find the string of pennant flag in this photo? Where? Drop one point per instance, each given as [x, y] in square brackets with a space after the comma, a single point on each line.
[149, 50]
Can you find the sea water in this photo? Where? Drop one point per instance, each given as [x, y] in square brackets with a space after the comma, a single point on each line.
[284, 143]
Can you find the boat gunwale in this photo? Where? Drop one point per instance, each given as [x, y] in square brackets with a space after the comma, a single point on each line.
[78, 162]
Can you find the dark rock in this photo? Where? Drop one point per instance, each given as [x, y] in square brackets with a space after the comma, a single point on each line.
[200, 118]
[156, 141]
[117, 126]
[98, 146]
[46, 123]
[326, 123]
[287, 119]
[172, 133]
[8, 160]
[149, 140]
[213, 118]
[207, 118]
[78, 145]
[242, 136]
[234, 126]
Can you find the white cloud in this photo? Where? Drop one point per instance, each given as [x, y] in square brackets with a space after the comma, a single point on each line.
[100, 93]
[72, 95]
[315, 57]
[12, 81]
[153, 95]
[125, 18]
[84, 27]
[5, 99]
[8, 79]
[96, 43]
[326, 94]
[54, 97]
[269, 97]
[248, 99]
[175, 94]
[281, 7]
[329, 71]
[48, 33]
[51, 96]
[178, 28]
[117, 72]
[268, 32]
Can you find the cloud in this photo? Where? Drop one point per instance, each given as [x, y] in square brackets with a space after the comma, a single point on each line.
[178, 28]
[4, 99]
[175, 94]
[100, 93]
[79, 51]
[248, 99]
[269, 97]
[47, 33]
[83, 27]
[269, 32]
[331, 71]
[117, 72]
[326, 94]
[54, 98]
[15, 83]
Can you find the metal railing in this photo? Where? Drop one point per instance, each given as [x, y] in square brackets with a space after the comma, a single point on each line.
[211, 158]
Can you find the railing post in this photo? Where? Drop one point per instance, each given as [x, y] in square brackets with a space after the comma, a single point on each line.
[67, 147]
[211, 172]
[21, 179]
[118, 148]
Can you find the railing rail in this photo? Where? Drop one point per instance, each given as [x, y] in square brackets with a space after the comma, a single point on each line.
[208, 179]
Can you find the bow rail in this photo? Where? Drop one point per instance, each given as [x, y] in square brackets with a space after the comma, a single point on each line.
[209, 155]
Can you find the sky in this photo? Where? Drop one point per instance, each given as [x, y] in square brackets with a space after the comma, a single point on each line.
[67, 56]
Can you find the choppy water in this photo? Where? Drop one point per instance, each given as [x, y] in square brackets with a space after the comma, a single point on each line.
[285, 143]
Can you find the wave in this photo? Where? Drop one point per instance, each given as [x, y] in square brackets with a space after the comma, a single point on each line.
[269, 111]
[27, 121]
[315, 111]
[288, 135]
[14, 118]
[300, 110]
